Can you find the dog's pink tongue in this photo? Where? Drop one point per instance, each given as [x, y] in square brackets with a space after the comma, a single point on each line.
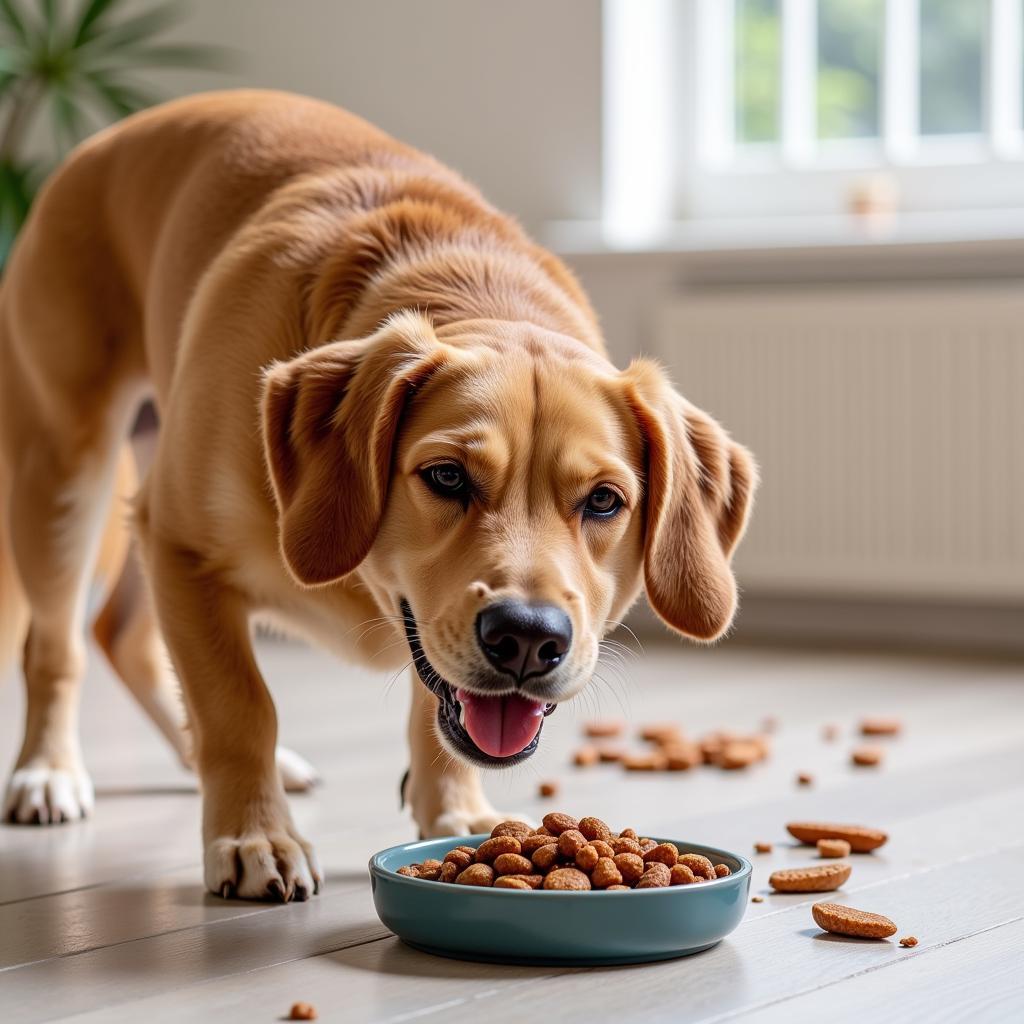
[501, 726]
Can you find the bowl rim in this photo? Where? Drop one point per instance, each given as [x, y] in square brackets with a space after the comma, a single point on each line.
[377, 868]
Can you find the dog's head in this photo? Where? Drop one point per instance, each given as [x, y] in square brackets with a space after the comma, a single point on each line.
[506, 492]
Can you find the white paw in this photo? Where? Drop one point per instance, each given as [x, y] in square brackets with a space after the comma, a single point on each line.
[467, 823]
[297, 774]
[265, 864]
[42, 795]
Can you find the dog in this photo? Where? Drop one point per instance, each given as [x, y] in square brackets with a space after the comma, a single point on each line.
[380, 404]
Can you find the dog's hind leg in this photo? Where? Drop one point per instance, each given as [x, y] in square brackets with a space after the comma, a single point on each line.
[60, 489]
[127, 632]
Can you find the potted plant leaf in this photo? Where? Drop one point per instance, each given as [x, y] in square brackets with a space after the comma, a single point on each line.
[72, 63]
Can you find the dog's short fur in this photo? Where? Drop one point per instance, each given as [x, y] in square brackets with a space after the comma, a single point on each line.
[321, 316]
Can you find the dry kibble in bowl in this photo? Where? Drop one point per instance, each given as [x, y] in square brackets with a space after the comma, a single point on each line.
[568, 855]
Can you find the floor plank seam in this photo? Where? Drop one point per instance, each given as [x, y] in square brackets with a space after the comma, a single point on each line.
[110, 883]
[899, 959]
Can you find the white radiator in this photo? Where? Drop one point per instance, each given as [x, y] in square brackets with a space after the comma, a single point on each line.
[889, 426]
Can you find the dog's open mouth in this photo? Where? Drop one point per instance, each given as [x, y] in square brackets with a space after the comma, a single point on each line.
[502, 729]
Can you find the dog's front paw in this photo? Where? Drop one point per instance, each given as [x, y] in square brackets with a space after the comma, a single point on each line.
[297, 774]
[262, 862]
[42, 794]
[467, 823]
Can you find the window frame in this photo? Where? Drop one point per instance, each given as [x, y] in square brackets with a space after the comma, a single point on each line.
[680, 159]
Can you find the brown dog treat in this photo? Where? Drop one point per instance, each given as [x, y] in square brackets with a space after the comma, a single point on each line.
[867, 757]
[604, 728]
[557, 823]
[830, 733]
[541, 830]
[491, 848]
[763, 847]
[628, 833]
[603, 848]
[605, 874]
[681, 757]
[594, 828]
[646, 844]
[567, 878]
[512, 864]
[471, 850]
[587, 858]
[571, 842]
[610, 755]
[814, 878]
[805, 779]
[840, 920]
[623, 845]
[699, 865]
[721, 870]
[531, 844]
[547, 789]
[680, 875]
[510, 882]
[697, 879]
[661, 733]
[630, 865]
[655, 761]
[302, 1011]
[476, 874]
[860, 838]
[617, 888]
[757, 899]
[516, 829]
[410, 870]
[585, 757]
[880, 727]
[909, 941]
[666, 853]
[833, 848]
[739, 754]
[655, 876]
[449, 871]
[545, 858]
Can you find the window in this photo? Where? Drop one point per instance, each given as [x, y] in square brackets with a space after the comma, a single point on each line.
[781, 107]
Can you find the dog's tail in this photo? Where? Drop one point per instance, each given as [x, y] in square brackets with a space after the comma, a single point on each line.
[13, 606]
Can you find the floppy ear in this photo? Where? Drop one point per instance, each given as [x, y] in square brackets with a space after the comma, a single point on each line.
[330, 417]
[700, 485]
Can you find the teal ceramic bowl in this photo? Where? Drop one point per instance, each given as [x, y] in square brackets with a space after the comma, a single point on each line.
[558, 928]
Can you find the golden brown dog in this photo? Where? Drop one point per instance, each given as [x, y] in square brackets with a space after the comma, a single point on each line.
[378, 400]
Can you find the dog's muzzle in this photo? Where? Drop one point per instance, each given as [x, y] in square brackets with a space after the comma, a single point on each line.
[493, 730]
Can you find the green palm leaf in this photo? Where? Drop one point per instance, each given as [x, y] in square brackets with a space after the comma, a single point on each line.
[70, 121]
[12, 20]
[169, 56]
[136, 29]
[120, 98]
[89, 21]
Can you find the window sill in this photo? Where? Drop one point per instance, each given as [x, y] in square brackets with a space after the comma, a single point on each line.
[995, 231]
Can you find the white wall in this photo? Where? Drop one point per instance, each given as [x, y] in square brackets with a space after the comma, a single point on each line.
[508, 93]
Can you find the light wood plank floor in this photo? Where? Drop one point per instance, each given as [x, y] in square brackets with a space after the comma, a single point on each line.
[107, 920]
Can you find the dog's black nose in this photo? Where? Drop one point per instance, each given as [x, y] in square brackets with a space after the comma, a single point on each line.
[522, 639]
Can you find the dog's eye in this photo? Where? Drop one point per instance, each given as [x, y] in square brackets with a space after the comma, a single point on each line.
[603, 501]
[447, 479]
